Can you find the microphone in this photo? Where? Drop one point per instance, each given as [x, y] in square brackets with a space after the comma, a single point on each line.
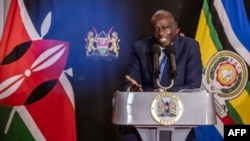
[156, 54]
[171, 55]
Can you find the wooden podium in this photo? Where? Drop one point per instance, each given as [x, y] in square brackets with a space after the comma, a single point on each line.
[163, 116]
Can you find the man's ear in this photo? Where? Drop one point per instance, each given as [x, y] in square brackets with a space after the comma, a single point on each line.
[177, 29]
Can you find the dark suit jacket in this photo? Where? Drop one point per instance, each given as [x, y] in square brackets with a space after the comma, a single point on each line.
[188, 62]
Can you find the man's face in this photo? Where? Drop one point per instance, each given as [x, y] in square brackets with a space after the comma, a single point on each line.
[164, 30]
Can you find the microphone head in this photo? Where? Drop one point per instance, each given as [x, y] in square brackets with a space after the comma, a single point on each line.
[156, 49]
[170, 49]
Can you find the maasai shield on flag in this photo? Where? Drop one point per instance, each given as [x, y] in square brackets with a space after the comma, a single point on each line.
[102, 42]
[223, 33]
[36, 97]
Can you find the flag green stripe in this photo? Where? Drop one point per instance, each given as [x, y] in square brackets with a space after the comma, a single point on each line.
[238, 105]
[17, 131]
[233, 113]
[213, 32]
[248, 87]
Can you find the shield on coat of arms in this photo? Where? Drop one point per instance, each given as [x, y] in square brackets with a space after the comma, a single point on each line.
[102, 42]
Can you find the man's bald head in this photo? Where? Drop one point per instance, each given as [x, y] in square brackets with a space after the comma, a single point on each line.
[162, 14]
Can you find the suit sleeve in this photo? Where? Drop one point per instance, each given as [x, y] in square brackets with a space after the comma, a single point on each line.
[133, 69]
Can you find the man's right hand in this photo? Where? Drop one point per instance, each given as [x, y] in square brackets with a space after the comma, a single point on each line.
[134, 86]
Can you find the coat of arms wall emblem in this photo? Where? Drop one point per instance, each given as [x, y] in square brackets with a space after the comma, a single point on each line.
[102, 44]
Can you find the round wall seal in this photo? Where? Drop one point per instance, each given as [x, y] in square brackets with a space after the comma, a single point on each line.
[226, 74]
[166, 108]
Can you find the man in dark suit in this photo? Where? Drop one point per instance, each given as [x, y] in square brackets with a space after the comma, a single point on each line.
[141, 75]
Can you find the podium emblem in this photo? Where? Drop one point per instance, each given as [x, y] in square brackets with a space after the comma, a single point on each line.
[166, 108]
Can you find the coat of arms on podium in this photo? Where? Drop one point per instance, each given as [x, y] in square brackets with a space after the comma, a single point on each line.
[166, 108]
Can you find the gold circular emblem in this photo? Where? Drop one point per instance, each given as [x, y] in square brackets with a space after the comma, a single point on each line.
[226, 74]
[166, 108]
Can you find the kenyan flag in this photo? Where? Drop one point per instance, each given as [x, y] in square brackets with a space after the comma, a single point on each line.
[36, 97]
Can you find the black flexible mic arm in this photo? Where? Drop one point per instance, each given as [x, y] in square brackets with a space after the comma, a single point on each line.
[171, 55]
[156, 54]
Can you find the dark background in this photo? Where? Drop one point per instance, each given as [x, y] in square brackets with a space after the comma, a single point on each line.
[95, 80]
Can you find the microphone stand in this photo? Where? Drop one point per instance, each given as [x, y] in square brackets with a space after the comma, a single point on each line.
[165, 88]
